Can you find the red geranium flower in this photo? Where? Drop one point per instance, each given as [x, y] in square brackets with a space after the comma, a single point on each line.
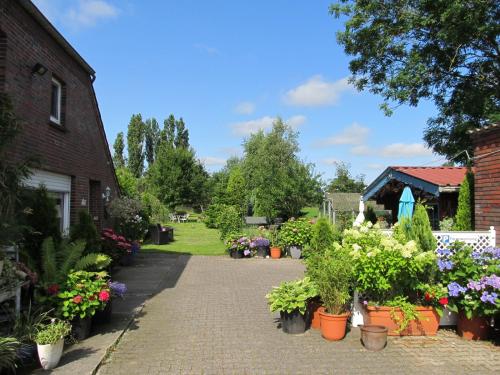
[443, 301]
[53, 289]
[103, 295]
[77, 299]
[427, 296]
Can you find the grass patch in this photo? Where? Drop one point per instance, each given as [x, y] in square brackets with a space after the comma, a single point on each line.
[310, 212]
[191, 238]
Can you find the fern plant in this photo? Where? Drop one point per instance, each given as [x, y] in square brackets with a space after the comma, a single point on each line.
[59, 260]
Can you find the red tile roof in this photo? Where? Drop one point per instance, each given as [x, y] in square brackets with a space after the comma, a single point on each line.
[442, 176]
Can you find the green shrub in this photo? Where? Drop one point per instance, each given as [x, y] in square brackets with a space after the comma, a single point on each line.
[295, 232]
[421, 230]
[323, 235]
[447, 224]
[154, 209]
[463, 219]
[52, 332]
[129, 218]
[292, 295]
[229, 221]
[86, 230]
[212, 213]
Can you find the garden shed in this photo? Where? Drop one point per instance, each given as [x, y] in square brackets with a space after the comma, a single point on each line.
[438, 187]
[346, 205]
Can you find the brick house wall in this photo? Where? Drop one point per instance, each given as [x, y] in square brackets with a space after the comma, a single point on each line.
[76, 148]
[487, 177]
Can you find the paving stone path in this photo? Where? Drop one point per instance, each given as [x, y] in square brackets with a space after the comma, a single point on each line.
[210, 317]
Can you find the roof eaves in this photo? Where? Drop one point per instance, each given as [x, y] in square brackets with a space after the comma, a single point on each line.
[52, 31]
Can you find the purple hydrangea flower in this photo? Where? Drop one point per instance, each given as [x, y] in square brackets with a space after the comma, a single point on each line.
[445, 264]
[117, 288]
[494, 252]
[261, 242]
[443, 252]
[455, 289]
[246, 252]
[493, 281]
[486, 297]
[475, 285]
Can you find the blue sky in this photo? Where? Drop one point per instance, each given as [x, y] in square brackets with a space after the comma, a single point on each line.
[230, 67]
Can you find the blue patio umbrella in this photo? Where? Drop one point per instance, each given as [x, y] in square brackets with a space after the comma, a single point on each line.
[406, 203]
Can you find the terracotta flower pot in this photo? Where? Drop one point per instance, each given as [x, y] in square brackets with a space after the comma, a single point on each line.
[275, 252]
[477, 328]
[333, 327]
[426, 325]
[373, 337]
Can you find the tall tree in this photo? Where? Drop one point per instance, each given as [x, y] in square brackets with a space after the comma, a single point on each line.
[182, 134]
[135, 145]
[343, 181]
[151, 139]
[444, 51]
[168, 132]
[464, 216]
[235, 190]
[119, 147]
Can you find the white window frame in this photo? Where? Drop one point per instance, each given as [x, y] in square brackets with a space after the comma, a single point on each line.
[58, 84]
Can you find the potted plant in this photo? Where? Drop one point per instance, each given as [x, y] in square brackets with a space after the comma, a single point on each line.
[334, 281]
[8, 353]
[82, 295]
[50, 342]
[261, 246]
[295, 234]
[290, 299]
[117, 290]
[25, 329]
[238, 246]
[392, 279]
[274, 240]
[473, 287]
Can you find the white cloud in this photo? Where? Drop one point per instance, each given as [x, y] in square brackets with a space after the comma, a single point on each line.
[245, 108]
[231, 151]
[207, 49]
[330, 161]
[296, 121]
[248, 127]
[353, 135]
[317, 92]
[361, 150]
[405, 150]
[89, 12]
[376, 166]
[212, 160]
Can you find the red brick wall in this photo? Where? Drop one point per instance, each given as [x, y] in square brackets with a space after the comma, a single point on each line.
[487, 179]
[78, 149]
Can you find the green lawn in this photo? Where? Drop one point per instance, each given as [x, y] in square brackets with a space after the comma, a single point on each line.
[310, 212]
[192, 238]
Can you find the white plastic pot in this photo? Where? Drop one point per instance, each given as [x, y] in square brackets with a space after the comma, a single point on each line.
[50, 354]
[358, 312]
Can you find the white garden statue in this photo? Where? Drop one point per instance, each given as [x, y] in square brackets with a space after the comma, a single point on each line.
[361, 216]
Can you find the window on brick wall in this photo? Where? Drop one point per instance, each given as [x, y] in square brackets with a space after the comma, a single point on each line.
[56, 101]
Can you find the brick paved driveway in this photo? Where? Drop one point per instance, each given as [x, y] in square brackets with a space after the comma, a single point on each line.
[214, 319]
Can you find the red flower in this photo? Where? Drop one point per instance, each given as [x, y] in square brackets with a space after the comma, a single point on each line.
[103, 295]
[53, 289]
[77, 299]
[443, 301]
[91, 298]
[427, 296]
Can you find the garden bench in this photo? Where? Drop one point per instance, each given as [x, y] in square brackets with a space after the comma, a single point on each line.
[161, 235]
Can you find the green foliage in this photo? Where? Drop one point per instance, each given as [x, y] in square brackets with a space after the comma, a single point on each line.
[151, 139]
[444, 51]
[212, 213]
[119, 147]
[463, 218]
[235, 190]
[40, 220]
[129, 217]
[86, 230]
[277, 181]
[447, 224]
[135, 145]
[11, 176]
[344, 183]
[93, 261]
[229, 221]
[28, 323]
[323, 235]
[8, 353]
[385, 268]
[52, 332]
[83, 294]
[421, 229]
[296, 232]
[129, 184]
[408, 312]
[154, 209]
[292, 295]
[334, 279]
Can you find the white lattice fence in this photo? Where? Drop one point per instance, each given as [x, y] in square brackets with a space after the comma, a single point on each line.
[479, 240]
